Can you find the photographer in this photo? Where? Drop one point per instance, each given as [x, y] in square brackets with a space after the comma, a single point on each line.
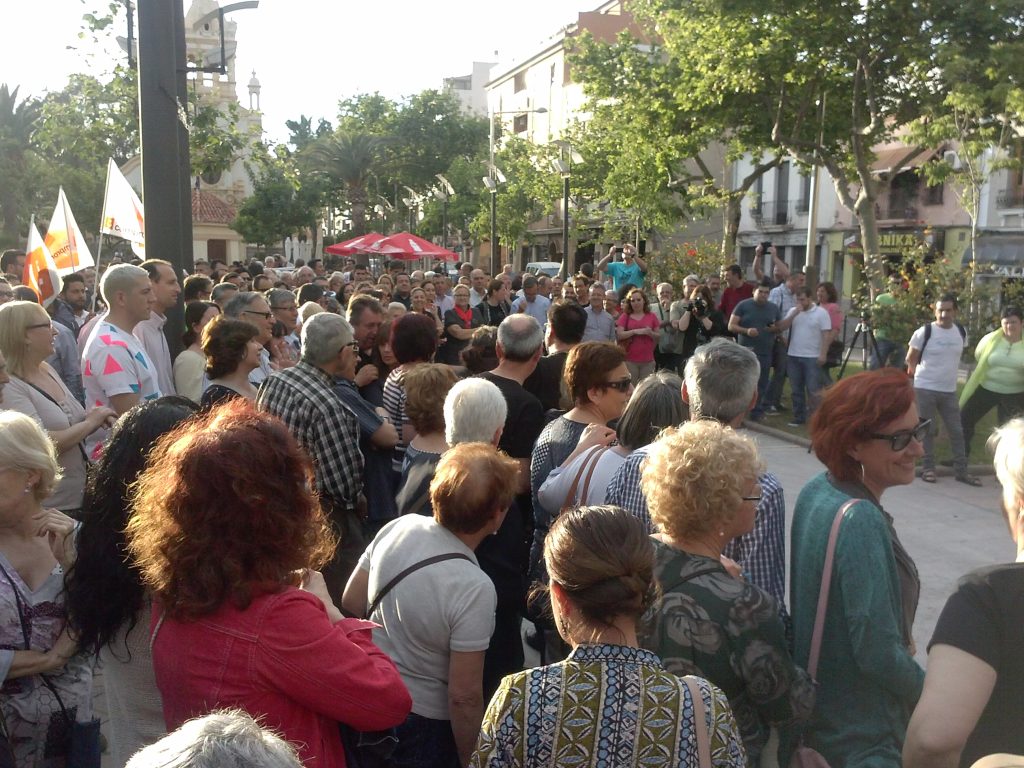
[669, 353]
[630, 271]
[698, 320]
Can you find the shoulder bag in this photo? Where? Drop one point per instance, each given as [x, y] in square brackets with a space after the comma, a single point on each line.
[587, 468]
[700, 727]
[804, 756]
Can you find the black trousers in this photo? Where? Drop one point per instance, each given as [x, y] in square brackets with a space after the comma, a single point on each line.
[980, 403]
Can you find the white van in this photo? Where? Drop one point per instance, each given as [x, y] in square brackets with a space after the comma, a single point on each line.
[549, 268]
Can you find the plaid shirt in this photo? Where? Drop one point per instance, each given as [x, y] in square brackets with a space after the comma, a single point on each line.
[761, 553]
[303, 397]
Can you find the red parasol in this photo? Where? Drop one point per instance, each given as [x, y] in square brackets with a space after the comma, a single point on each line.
[408, 246]
[361, 244]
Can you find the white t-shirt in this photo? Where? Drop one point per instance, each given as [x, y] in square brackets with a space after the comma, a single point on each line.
[114, 363]
[805, 333]
[941, 359]
[443, 607]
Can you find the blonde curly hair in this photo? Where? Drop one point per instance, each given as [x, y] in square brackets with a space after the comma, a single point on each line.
[695, 475]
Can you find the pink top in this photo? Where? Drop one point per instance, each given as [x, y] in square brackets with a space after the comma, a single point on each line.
[639, 349]
[284, 662]
[835, 315]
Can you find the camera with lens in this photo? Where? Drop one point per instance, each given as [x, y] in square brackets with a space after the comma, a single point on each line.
[698, 306]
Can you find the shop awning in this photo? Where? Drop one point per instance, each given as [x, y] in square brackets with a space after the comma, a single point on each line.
[886, 159]
[999, 250]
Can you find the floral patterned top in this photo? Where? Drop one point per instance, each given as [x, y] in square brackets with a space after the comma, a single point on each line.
[604, 706]
[727, 630]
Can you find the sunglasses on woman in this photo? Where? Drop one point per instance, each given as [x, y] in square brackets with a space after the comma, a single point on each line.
[622, 385]
[900, 440]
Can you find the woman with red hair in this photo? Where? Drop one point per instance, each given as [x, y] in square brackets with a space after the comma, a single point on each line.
[238, 619]
[867, 433]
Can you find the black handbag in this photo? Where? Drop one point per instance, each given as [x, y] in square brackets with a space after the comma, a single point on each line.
[79, 741]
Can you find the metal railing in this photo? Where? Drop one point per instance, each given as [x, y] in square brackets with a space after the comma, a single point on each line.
[771, 213]
[1011, 198]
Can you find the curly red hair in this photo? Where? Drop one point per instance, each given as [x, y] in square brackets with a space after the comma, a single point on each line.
[851, 410]
[224, 512]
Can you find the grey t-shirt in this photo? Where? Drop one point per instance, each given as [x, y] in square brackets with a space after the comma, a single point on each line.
[443, 607]
[754, 315]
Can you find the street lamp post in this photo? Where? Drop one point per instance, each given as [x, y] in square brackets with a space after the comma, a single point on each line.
[563, 165]
[494, 176]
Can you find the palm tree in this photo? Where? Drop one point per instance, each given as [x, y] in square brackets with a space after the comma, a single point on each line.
[346, 159]
[17, 125]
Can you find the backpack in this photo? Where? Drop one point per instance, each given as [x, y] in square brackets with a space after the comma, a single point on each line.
[928, 335]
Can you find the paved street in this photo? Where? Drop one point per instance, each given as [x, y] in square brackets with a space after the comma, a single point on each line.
[949, 528]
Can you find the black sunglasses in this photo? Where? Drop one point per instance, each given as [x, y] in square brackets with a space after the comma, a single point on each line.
[900, 440]
[622, 385]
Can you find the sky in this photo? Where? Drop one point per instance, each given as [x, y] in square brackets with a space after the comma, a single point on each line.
[308, 54]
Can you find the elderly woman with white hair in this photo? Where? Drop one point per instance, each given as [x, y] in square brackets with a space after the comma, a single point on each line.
[36, 547]
[970, 705]
[226, 737]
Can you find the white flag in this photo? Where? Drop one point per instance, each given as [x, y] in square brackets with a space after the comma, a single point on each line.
[123, 215]
[64, 239]
[40, 272]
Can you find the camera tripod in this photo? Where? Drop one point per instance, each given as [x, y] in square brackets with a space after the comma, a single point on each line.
[863, 328]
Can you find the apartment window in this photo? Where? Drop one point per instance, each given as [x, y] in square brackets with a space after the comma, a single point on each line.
[804, 203]
[552, 80]
[519, 123]
[933, 195]
[520, 81]
[566, 74]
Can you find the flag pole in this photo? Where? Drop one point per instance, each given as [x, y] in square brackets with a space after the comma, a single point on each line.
[99, 248]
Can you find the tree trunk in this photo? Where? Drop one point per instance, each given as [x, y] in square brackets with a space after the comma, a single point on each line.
[867, 219]
[731, 225]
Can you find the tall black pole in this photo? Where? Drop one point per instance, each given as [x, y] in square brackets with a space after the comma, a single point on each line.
[565, 225]
[166, 175]
[444, 224]
[495, 250]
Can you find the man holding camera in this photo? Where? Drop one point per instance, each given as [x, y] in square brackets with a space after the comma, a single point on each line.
[629, 271]
[669, 352]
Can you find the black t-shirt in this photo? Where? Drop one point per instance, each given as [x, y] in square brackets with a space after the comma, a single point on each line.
[525, 418]
[545, 383]
[985, 618]
[413, 495]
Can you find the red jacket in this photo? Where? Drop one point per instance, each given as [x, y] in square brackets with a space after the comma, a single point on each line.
[282, 661]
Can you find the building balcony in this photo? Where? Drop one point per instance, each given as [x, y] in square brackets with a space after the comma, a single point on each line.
[898, 209]
[772, 213]
[1010, 198]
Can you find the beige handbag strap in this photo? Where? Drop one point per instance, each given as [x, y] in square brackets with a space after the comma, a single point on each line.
[589, 463]
[700, 726]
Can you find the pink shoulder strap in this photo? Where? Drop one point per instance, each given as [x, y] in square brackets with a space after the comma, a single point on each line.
[826, 583]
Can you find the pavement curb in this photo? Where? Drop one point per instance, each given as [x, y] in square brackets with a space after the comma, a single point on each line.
[803, 442]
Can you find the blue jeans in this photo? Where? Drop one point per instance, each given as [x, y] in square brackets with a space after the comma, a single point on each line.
[765, 361]
[804, 377]
[425, 743]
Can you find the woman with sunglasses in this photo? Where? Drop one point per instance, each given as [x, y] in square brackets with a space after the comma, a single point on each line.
[868, 435]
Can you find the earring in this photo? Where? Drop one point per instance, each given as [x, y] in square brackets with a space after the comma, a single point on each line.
[28, 488]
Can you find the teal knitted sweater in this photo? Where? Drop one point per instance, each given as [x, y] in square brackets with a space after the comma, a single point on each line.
[868, 680]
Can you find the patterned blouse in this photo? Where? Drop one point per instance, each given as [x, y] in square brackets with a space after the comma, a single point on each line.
[604, 706]
[727, 630]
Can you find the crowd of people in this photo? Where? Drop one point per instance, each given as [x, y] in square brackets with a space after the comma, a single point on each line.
[315, 534]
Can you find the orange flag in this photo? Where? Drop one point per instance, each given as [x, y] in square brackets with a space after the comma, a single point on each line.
[40, 273]
[64, 239]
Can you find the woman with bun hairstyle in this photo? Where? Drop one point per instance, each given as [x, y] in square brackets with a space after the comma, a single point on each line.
[610, 702]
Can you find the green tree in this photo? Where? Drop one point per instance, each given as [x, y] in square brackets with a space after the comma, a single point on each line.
[346, 161]
[18, 147]
[649, 141]
[279, 206]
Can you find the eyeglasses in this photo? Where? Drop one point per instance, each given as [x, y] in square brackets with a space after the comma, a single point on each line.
[900, 440]
[622, 385]
[39, 325]
[760, 494]
[353, 345]
[264, 315]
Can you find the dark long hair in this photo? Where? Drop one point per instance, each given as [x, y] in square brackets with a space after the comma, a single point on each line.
[104, 588]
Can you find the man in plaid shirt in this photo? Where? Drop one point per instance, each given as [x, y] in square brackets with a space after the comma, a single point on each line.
[721, 384]
[304, 398]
